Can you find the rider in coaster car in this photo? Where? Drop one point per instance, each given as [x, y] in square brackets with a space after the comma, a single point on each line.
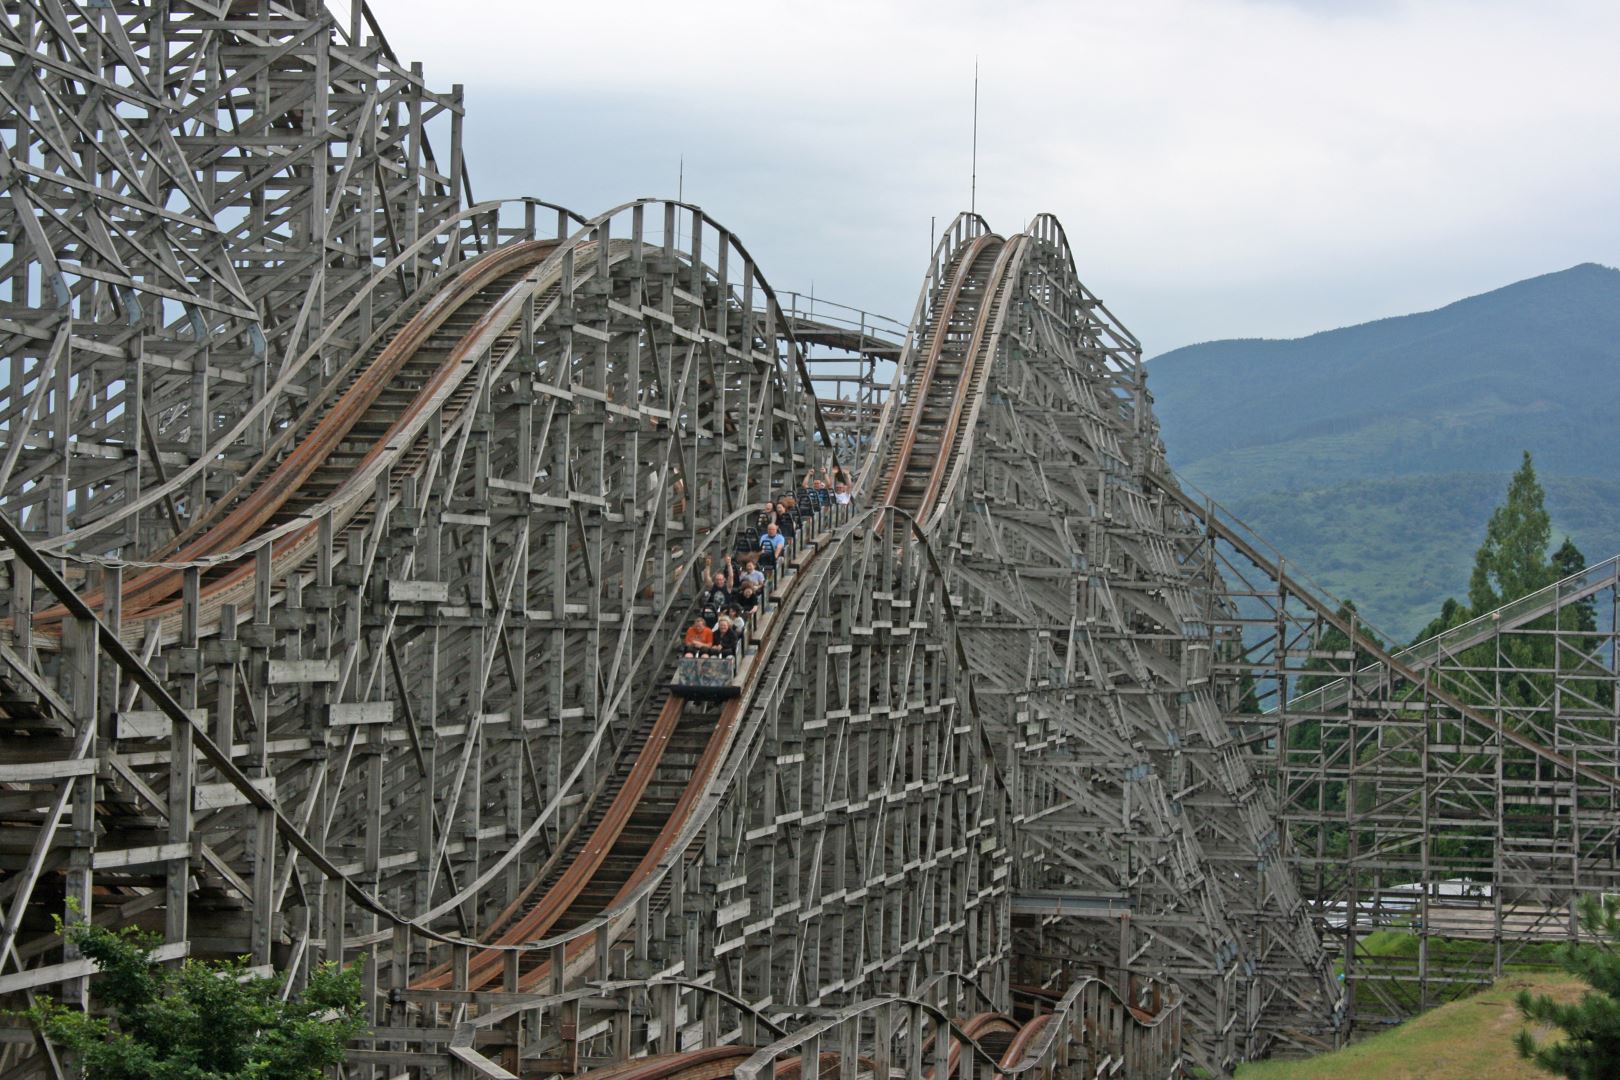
[727, 638]
[699, 638]
[784, 521]
[717, 595]
[774, 540]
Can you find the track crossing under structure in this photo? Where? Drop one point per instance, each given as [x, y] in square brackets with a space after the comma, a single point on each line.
[349, 525]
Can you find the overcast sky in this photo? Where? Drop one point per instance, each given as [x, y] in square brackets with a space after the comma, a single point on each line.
[1224, 168]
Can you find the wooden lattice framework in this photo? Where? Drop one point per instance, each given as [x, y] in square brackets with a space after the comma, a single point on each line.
[1462, 792]
[349, 525]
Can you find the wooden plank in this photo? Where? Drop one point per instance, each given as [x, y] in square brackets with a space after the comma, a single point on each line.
[224, 796]
[141, 856]
[362, 712]
[27, 772]
[418, 592]
[78, 969]
[152, 723]
[283, 672]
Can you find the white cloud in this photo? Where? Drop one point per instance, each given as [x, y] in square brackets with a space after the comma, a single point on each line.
[1224, 167]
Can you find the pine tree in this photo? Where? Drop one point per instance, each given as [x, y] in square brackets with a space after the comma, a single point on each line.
[1590, 1049]
[1510, 563]
[1513, 559]
[1568, 561]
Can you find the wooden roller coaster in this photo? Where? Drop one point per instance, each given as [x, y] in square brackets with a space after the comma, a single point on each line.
[349, 525]
[632, 818]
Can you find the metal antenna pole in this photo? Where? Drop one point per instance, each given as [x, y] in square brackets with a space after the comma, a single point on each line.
[973, 191]
[680, 181]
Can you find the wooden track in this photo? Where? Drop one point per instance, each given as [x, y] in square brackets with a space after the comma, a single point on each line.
[348, 520]
[604, 858]
[949, 375]
[405, 377]
[631, 824]
[384, 501]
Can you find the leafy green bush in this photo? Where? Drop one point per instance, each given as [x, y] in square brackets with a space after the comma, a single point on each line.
[199, 1021]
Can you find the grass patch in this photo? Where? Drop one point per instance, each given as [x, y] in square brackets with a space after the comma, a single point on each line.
[1457, 1041]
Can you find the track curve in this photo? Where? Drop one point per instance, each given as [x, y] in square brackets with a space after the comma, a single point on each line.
[431, 355]
[675, 765]
[595, 870]
[387, 509]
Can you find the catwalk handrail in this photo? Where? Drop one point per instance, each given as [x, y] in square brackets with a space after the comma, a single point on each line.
[880, 327]
[1328, 613]
[1481, 628]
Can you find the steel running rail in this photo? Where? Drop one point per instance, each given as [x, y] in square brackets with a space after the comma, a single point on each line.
[947, 374]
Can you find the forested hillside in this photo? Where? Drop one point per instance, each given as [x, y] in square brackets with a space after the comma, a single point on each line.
[1373, 455]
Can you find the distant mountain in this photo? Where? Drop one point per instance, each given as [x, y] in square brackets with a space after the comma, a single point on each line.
[1372, 455]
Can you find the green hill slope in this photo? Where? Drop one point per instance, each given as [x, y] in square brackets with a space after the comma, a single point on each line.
[1463, 1040]
[1372, 455]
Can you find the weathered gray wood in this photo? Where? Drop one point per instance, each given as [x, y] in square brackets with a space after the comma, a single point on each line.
[1002, 740]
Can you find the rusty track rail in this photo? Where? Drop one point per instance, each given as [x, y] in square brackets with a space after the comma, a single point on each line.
[315, 461]
[530, 919]
[986, 264]
[946, 375]
[921, 389]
